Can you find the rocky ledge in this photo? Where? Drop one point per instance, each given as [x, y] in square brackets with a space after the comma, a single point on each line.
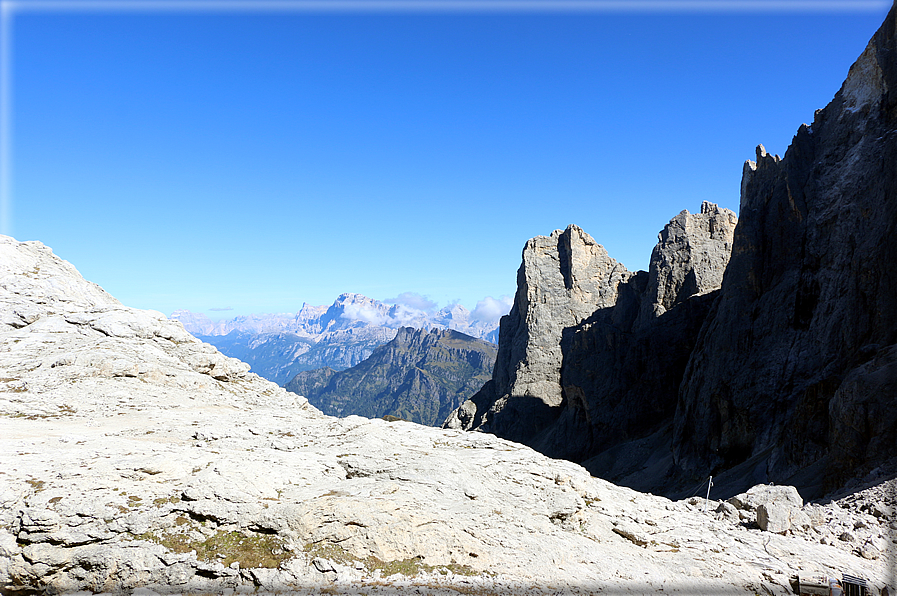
[135, 458]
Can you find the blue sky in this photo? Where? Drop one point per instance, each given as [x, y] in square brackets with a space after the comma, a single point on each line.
[255, 160]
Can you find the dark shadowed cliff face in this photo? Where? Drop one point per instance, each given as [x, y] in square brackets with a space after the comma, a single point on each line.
[796, 364]
[777, 365]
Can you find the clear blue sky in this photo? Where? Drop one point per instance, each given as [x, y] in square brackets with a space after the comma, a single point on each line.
[258, 160]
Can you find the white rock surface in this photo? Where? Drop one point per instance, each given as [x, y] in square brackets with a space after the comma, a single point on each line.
[134, 457]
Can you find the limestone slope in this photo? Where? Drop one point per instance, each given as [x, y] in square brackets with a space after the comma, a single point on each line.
[135, 456]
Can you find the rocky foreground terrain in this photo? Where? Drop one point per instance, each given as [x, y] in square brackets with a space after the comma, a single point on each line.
[135, 458]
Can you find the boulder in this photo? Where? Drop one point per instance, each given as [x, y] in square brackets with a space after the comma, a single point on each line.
[767, 493]
[775, 517]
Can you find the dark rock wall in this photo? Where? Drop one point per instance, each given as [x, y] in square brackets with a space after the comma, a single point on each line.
[621, 382]
[807, 314]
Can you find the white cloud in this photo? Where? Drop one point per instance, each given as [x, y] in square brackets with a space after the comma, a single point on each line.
[490, 310]
[357, 312]
[405, 316]
[412, 300]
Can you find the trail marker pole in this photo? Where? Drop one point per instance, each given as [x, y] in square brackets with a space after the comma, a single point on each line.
[707, 498]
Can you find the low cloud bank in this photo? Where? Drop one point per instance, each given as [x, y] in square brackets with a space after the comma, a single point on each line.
[407, 316]
[413, 300]
[490, 310]
[361, 312]
[410, 309]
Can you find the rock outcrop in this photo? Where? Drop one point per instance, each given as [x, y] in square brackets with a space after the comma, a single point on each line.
[594, 354]
[137, 459]
[563, 279]
[689, 260]
[420, 376]
[786, 373]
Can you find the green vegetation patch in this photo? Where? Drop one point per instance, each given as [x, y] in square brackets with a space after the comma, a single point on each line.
[329, 551]
[37, 485]
[406, 567]
[163, 500]
[251, 551]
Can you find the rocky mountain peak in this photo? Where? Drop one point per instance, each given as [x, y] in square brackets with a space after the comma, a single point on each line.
[347, 298]
[352, 310]
[414, 334]
[309, 313]
[690, 257]
[765, 163]
[338, 336]
[563, 278]
[32, 269]
[454, 313]
[866, 84]
[588, 275]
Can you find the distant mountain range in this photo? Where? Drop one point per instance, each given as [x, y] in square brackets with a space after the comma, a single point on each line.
[339, 336]
[419, 376]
